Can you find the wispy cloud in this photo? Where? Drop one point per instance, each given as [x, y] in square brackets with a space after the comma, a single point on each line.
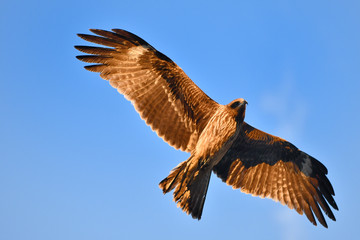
[292, 228]
[289, 109]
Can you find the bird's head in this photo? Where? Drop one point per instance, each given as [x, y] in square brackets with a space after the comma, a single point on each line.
[239, 105]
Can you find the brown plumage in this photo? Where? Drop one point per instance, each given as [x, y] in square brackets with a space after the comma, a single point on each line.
[216, 135]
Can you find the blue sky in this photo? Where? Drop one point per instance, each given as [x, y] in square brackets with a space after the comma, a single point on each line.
[77, 162]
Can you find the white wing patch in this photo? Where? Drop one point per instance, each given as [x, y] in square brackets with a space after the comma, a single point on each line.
[307, 166]
[137, 51]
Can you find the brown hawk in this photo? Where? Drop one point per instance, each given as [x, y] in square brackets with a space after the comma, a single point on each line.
[216, 135]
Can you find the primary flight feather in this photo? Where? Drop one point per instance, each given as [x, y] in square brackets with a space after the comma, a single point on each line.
[216, 135]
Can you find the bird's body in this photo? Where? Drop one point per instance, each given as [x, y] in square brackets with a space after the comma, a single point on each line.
[191, 177]
[219, 133]
[216, 135]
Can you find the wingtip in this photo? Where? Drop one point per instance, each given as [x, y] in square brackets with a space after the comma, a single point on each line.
[323, 222]
[96, 31]
[78, 47]
[195, 216]
[119, 30]
[83, 36]
[335, 206]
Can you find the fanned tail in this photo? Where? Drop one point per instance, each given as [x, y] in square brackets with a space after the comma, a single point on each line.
[191, 183]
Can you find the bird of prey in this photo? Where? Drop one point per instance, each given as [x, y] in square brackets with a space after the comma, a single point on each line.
[216, 135]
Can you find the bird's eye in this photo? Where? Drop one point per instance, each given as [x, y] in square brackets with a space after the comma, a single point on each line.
[235, 104]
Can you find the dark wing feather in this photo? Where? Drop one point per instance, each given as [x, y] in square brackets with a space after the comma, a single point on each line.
[267, 166]
[166, 98]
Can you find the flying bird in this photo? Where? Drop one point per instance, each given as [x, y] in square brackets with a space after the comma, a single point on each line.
[216, 135]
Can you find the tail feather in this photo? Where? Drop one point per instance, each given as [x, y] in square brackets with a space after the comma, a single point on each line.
[198, 190]
[173, 179]
[191, 183]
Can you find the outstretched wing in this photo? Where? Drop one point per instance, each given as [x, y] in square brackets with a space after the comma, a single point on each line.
[165, 97]
[268, 166]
